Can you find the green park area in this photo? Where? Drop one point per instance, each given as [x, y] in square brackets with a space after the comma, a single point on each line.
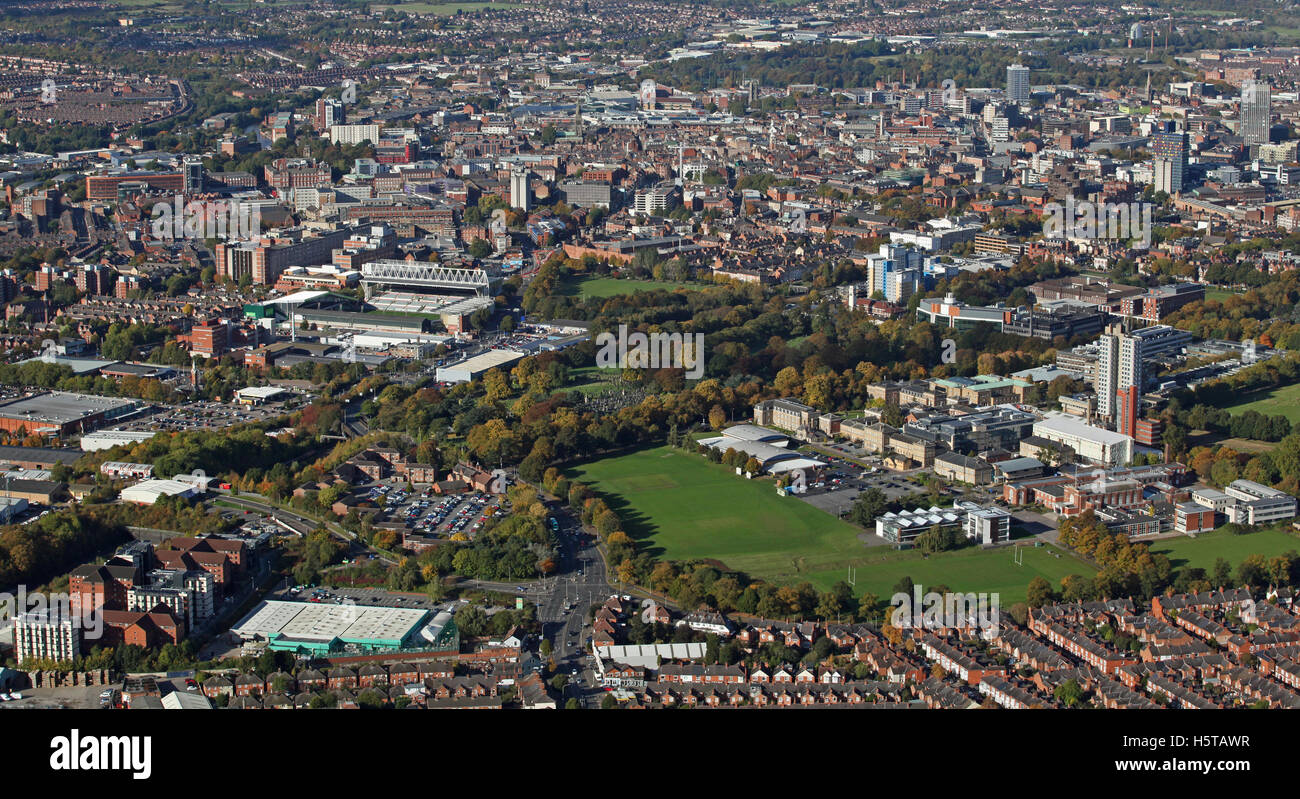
[966, 570]
[1203, 550]
[1284, 401]
[1221, 294]
[683, 507]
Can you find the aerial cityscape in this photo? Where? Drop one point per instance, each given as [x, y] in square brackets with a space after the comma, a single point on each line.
[648, 354]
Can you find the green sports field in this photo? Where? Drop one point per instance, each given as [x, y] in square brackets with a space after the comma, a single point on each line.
[685, 508]
[1284, 401]
[610, 287]
[1201, 551]
[1221, 294]
[972, 569]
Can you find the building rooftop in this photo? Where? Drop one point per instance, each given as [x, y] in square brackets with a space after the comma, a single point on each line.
[38, 455]
[324, 622]
[79, 366]
[752, 432]
[487, 360]
[1073, 426]
[57, 407]
[261, 392]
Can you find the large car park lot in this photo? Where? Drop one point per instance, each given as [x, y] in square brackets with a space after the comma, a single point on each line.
[425, 512]
[205, 415]
[836, 489]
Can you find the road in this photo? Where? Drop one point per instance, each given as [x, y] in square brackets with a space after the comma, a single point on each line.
[353, 424]
[579, 581]
[303, 524]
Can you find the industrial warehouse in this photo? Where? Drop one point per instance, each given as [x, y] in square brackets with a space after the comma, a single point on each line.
[479, 365]
[61, 413]
[319, 629]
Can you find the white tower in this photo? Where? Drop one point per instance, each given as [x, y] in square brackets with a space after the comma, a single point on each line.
[519, 197]
[649, 90]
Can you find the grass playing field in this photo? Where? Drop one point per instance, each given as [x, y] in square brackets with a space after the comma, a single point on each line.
[684, 507]
[610, 287]
[1200, 552]
[972, 569]
[1221, 294]
[1284, 401]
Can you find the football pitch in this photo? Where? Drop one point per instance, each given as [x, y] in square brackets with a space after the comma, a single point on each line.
[683, 507]
[1204, 549]
[1284, 401]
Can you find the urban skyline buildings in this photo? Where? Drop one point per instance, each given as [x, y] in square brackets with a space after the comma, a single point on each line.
[1256, 99]
[1018, 83]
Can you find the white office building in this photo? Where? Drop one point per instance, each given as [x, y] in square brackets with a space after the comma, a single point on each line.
[144, 599]
[354, 134]
[986, 525]
[519, 196]
[653, 201]
[1212, 498]
[1018, 83]
[1000, 129]
[50, 634]
[1256, 102]
[1100, 446]
[1119, 367]
[1258, 504]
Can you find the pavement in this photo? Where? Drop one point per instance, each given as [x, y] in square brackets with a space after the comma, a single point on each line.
[1040, 525]
[74, 697]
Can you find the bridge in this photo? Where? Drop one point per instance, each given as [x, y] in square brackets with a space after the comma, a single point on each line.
[410, 274]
